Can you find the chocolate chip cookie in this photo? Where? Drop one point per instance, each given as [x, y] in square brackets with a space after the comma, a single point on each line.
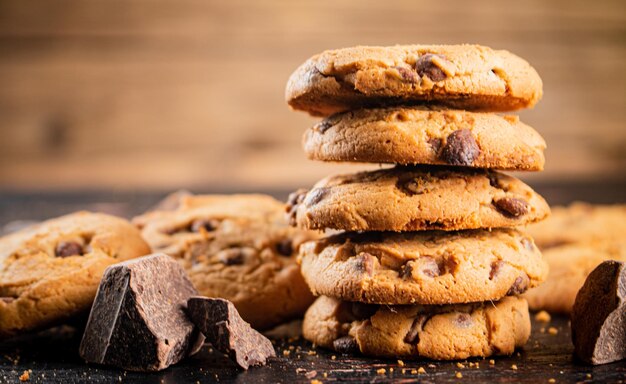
[417, 198]
[237, 247]
[414, 331]
[468, 77]
[421, 135]
[423, 267]
[49, 273]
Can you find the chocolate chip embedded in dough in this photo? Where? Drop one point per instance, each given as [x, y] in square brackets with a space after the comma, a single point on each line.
[366, 263]
[407, 75]
[316, 195]
[463, 320]
[224, 328]
[511, 207]
[285, 247]
[519, 286]
[435, 144]
[412, 336]
[362, 311]
[460, 149]
[323, 126]
[425, 66]
[599, 315]
[411, 186]
[68, 248]
[204, 224]
[346, 344]
[496, 267]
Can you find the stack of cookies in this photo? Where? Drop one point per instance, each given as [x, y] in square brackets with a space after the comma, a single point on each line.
[428, 262]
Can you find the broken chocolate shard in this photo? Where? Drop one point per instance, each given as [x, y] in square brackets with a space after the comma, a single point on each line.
[137, 321]
[599, 315]
[220, 322]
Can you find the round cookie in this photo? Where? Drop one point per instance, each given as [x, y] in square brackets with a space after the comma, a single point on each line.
[581, 223]
[468, 77]
[570, 265]
[49, 273]
[238, 247]
[420, 135]
[437, 332]
[415, 199]
[423, 267]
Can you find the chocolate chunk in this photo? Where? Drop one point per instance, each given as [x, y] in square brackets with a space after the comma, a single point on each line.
[460, 149]
[293, 202]
[494, 180]
[496, 266]
[406, 271]
[362, 311]
[599, 315]
[435, 144]
[519, 286]
[412, 337]
[511, 207]
[528, 243]
[137, 321]
[68, 248]
[346, 344]
[220, 322]
[234, 256]
[7, 300]
[463, 320]
[426, 67]
[316, 195]
[411, 186]
[407, 75]
[323, 126]
[365, 263]
[285, 247]
[204, 224]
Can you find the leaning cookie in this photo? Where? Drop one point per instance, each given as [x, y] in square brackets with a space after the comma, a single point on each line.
[237, 247]
[468, 77]
[436, 332]
[49, 273]
[417, 198]
[429, 267]
[421, 135]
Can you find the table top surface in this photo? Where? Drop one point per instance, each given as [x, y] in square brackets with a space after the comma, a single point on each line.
[52, 356]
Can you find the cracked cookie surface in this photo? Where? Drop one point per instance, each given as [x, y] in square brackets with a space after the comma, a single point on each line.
[416, 198]
[414, 331]
[431, 267]
[420, 135]
[49, 273]
[468, 77]
[237, 247]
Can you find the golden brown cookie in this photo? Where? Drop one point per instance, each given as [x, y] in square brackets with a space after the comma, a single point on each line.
[237, 247]
[431, 267]
[468, 77]
[420, 135]
[414, 331]
[49, 273]
[570, 265]
[581, 223]
[417, 198]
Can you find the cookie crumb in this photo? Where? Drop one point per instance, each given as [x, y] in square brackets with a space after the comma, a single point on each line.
[542, 330]
[403, 371]
[310, 375]
[460, 365]
[333, 357]
[543, 317]
[286, 352]
[414, 371]
[553, 331]
[432, 366]
[401, 363]
[315, 381]
[421, 370]
[25, 376]
[551, 381]
[381, 371]
[459, 375]
[492, 362]
[514, 367]
[588, 376]
[391, 369]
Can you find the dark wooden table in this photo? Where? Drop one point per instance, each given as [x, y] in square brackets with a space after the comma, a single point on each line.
[52, 356]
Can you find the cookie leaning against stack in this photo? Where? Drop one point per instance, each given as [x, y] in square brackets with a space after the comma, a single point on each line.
[429, 264]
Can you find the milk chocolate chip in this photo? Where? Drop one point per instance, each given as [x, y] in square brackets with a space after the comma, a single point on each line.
[362, 311]
[426, 67]
[234, 256]
[412, 336]
[599, 315]
[366, 263]
[407, 74]
[411, 186]
[346, 344]
[295, 199]
[203, 224]
[511, 207]
[460, 149]
[68, 248]
[519, 286]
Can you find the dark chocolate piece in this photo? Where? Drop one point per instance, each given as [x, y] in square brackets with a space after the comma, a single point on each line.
[68, 248]
[137, 321]
[599, 315]
[220, 322]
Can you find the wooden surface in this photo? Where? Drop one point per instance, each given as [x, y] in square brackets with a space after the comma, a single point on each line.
[168, 94]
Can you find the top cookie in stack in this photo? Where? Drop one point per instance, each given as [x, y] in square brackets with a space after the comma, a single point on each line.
[427, 110]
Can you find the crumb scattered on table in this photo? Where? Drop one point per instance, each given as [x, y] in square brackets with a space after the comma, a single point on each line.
[543, 317]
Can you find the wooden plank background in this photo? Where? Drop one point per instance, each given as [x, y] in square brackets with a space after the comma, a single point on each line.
[167, 94]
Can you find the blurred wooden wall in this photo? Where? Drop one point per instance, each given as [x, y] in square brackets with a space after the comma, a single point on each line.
[167, 94]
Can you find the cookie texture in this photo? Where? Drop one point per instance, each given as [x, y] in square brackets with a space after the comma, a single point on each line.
[237, 247]
[417, 198]
[581, 223]
[570, 265]
[49, 273]
[415, 331]
[468, 77]
[423, 267]
[421, 135]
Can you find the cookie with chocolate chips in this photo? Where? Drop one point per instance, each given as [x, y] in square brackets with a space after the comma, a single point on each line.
[470, 77]
[49, 273]
[446, 332]
[417, 198]
[237, 247]
[431, 267]
[421, 135]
